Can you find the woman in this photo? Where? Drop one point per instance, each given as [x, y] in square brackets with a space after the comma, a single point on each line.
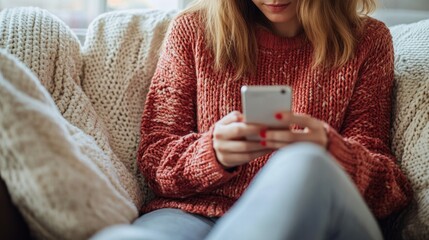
[331, 174]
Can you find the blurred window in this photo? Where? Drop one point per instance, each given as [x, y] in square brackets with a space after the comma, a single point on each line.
[421, 5]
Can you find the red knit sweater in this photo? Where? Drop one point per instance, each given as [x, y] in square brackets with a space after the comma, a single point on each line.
[187, 97]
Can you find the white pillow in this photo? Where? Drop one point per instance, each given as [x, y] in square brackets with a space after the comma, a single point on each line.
[120, 54]
[411, 120]
[55, 155]
[65, 186]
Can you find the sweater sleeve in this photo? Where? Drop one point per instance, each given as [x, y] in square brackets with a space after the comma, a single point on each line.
[176, 159]
[362, 145]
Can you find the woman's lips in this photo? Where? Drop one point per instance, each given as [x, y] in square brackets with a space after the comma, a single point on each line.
[276, 8]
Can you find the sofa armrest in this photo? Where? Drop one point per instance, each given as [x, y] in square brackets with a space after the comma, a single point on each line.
[12, 223]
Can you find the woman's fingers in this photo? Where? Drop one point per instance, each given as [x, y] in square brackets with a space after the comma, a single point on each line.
[237, 146]
[231, 127]
[301, 120]
[290, 136]
[236, 130]
[314, 131]
[234, 116]
[282, 138]
[233, 150]
[229, 160]
[229, 142]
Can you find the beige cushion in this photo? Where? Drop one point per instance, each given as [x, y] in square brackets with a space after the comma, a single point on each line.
[65, 186]
[411, 120]
[55, 155]
[120, 54]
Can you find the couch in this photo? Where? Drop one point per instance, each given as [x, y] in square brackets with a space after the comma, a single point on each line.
[70, 118]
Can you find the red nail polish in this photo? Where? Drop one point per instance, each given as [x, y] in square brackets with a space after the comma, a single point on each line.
[264, 143]
[263, 134]
[279, 116]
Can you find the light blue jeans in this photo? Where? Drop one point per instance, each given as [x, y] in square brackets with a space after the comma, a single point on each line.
[301, 193]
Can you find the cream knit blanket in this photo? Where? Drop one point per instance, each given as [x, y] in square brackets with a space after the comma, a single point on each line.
[62, 182]
[411, 121]
[120, 54]
[69, 159]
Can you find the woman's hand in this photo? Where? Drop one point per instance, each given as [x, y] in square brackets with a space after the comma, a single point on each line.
[229, 141]
[313, 131]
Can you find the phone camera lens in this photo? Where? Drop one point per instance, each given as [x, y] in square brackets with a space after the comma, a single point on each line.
[283, 91]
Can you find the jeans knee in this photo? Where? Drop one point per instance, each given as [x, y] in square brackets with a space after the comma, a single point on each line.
[307, 158]
[305, 149]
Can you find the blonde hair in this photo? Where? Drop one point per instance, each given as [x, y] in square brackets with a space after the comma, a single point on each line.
[332, 27]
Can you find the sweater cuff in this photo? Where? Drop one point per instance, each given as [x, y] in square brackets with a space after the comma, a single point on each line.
[214, 169]
[339, 148]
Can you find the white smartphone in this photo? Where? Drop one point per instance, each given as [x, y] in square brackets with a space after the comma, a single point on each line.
[261, 103]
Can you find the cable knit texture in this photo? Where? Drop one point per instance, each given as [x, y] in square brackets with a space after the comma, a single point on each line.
[411, 122]
[67, 159]
[120, 54]
[188, 96]
[57, 175]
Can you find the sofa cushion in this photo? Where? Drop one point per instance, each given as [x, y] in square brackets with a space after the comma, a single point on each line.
[120, 55]
[46, 46]
[65, 186]
[55, 156]
[411, 121]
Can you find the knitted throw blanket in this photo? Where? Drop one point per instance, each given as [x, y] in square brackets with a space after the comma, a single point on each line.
[69, 159]
[411, 121]
[120, 54]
